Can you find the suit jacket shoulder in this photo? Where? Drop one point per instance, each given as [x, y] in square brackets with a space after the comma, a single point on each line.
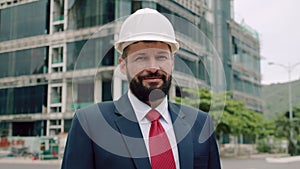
[107, 135]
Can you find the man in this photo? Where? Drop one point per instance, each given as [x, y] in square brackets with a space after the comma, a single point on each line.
[142, 130]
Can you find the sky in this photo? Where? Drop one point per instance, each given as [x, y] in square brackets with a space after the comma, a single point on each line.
[278, 25]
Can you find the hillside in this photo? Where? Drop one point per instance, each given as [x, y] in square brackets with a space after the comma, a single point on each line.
[276, 100]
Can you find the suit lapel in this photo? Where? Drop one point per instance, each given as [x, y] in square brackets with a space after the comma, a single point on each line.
[184, 137]
[131, 133]
[132, 136]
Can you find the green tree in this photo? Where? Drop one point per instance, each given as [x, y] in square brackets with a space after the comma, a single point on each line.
[235, 118]
[283, 126]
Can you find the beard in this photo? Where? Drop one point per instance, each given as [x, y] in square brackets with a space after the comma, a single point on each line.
[152, 93]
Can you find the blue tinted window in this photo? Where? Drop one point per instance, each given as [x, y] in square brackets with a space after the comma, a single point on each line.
[29, 99]
[23, 100]
[88, 13]
[20, 21]
[24, 62]
[3, 101]
[90, 53]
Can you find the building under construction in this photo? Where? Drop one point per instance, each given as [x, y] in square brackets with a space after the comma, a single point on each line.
[57, 56]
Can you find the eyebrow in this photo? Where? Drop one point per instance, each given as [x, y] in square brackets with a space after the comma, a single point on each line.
[163, 52]
[143, 53]
[139, 53]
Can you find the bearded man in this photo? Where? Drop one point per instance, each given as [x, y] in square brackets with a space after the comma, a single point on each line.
[143, 130]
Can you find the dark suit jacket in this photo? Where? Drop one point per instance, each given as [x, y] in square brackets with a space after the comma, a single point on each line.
[107, 135]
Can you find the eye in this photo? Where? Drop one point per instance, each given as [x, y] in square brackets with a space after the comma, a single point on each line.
[162, 57]
[140, 58]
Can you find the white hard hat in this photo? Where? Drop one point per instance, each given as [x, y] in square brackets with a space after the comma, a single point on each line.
[146, 25]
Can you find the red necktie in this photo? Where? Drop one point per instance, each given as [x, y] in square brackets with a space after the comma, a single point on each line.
[159, 145]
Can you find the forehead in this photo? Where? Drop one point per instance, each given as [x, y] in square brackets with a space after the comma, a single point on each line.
[135, 47]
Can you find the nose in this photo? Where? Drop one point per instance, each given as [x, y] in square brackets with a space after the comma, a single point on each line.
[152, 65]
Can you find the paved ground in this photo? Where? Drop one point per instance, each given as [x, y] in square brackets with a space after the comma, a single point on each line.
[21, 163]
[254, 162]
[262, 163]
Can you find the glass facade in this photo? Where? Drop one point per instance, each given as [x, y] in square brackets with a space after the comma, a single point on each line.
[23, 100]
[36, 128]
[4, 128]
[3, 101]
[82, 93]
[90, 53]
[249, 61]
[89, 13]
[30, 19]
[24, 62]
[67, 125]
[106, 90]
[85, 92]
[180, 24]
[246, 86]
[20, 21]
[200, 34]
[203, 71]
[74, 49]
[243, 57]
[185, 65]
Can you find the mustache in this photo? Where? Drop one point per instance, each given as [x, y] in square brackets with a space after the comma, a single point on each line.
[151, 75]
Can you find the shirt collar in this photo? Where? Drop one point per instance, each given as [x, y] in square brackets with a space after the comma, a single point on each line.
[141, 109]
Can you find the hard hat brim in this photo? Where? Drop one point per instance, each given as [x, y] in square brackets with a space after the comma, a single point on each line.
[121, 45]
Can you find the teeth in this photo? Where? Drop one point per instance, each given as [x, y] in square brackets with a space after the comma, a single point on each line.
[152, 77]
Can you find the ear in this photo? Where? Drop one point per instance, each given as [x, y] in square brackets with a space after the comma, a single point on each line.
[123, 66]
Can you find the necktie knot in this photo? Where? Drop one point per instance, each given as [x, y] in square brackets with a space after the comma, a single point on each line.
[153, 115]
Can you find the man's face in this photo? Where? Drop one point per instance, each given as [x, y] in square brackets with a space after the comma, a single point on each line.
[148, 66]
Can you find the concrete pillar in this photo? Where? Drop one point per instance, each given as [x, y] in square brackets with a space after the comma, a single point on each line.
[48, 128]
[10, 130]
[98, 89]
[172, 93]
[117, 88]
[69, 98]
[64, 96]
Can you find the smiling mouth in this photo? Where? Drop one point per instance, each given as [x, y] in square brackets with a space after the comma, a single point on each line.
[152, 79]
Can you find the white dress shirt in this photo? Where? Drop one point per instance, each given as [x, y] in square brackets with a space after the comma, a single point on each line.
[141, 109]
